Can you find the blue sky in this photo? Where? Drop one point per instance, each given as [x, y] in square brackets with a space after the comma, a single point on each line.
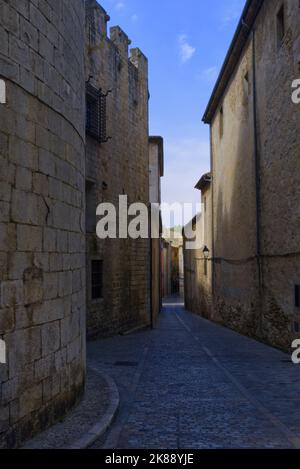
[186, 43]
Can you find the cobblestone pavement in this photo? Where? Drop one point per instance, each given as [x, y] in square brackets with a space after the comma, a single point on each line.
[193, 384]
[79, 421]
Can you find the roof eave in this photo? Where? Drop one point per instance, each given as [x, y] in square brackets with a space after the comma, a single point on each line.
[240, 38]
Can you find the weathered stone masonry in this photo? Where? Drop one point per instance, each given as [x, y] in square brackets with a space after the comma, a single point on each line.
[117, 166]
[42, 242]
[255, 170]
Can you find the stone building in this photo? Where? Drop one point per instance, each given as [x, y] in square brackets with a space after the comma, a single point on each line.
[166, 269]
[117, 163]
[42, 241]
[197, 261]
[181, 270]
[156, 172]
[192, 289]
[255, 145]
[172, 264]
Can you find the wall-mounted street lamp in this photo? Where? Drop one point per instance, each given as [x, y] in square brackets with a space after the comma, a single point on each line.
[206, 256]
[206, 252]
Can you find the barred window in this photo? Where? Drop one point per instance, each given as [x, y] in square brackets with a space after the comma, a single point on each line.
[96, 113]
[91, 27]
[280, 26]
[97, 279]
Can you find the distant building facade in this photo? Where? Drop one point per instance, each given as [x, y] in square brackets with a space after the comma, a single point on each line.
[181, 271]
[117, 163]
[255, 144]
[166, 273]
[173, 265]
[156, 172]
[197, 261]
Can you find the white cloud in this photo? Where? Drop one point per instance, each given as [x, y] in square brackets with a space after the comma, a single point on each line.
[186, 51]
[231, 12]
[209, 74]
[120, 6]
[134, 18]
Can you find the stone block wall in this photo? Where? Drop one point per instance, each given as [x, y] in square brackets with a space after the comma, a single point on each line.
[42, 207]
[156, 172]
[119, 166]
[234, 198]
[261, 306]
[279, 137]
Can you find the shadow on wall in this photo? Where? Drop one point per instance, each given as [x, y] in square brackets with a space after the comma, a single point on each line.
[237, 302]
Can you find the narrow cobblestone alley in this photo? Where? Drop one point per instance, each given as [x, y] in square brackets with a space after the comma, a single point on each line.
[192, 384]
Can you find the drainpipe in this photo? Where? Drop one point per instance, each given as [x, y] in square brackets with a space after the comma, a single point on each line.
[257, 176]
[212, 222]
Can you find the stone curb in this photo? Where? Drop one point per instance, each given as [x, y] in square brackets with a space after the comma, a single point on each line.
[135, 329]
[106, 420]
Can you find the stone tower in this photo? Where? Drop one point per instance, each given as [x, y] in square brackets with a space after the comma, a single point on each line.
[42, 242]
[117, 163]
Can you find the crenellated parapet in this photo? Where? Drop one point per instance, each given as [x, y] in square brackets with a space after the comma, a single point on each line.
[139, 60]
[116, 43]
[120, 39]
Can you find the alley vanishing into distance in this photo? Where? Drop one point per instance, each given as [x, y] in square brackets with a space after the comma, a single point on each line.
[101, 217]
[193, 384]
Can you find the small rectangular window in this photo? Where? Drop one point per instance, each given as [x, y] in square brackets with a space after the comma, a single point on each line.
[297, 296]
[221, 122]
[97, 279]
[96, 113]
[280, 26]
[91, 26]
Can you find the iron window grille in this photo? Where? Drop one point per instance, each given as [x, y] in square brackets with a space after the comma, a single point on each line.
[97, 279]
[280, 26]
[91, 26]
[96, 114]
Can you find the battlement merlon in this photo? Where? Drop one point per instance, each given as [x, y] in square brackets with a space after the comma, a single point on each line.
[120, 39]
[139, 60]
[100, 15]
